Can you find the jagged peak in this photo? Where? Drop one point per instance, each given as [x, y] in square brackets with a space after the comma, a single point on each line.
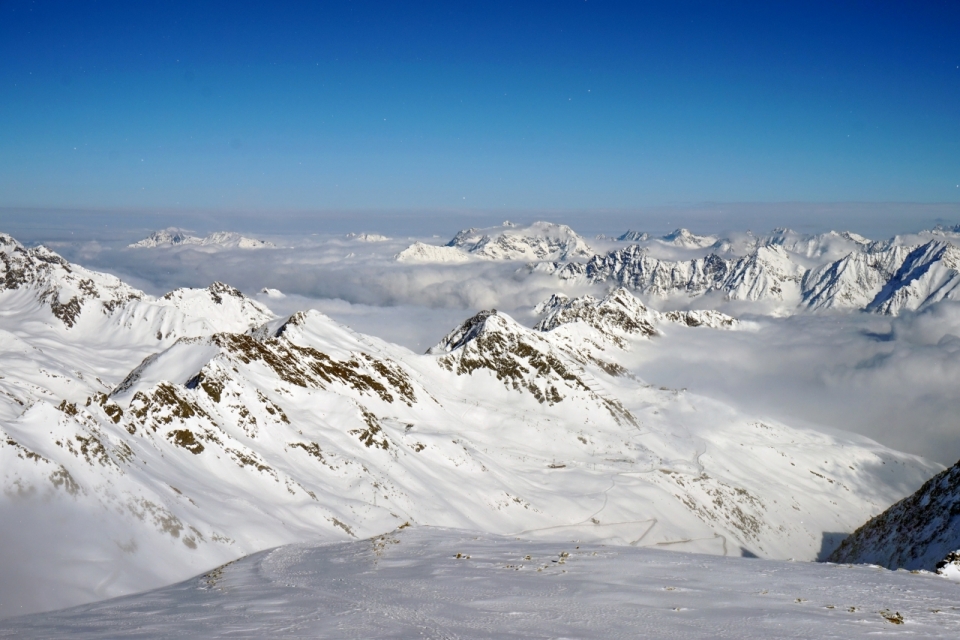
[619, 310]
[685, 238]
[633, 236]
[466, 332]
[8, 242]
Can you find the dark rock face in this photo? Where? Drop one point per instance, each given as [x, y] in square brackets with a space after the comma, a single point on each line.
[916, 533]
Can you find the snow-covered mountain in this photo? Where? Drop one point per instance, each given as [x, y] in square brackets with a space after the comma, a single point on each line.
[421, 252]
[767, 273]
[784, 270]
[684, 238]
[633, 236]
[540, 241]
[174, 237]
[919, 532]
[180, 432]
[929, 274]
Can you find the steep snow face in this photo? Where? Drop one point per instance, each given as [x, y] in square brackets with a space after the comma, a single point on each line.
[916, 533]
[853, 281]
[633, 236]
[930, 273]
[174, 237]
[447, 583]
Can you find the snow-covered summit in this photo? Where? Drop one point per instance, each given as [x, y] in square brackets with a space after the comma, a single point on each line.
[633, 236]
[41, 277]
[175, 237]
[687, 240]
[233, 311]
[622, 313]
[421, 252]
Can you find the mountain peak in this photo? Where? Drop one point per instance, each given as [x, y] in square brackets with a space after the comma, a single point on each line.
[466, 332]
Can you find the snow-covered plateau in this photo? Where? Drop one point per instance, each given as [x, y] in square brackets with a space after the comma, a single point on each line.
[146, 439]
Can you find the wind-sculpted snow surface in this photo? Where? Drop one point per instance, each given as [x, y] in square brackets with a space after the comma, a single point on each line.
[453, 584]
[916, 533]
[166, 436]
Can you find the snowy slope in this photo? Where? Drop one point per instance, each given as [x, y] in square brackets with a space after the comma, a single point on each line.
[916, 533]
[454, 584]
[177, 433]
[684, 238]
[423, 252]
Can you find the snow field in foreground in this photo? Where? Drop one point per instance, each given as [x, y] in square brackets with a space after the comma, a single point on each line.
[455, 584]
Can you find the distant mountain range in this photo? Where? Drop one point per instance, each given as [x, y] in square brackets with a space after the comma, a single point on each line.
[174, 237]
[783, 272]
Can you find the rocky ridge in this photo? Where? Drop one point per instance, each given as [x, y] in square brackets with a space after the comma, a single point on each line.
[921, 531]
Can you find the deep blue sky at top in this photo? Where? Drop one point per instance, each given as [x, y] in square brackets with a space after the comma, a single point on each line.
[476, 105]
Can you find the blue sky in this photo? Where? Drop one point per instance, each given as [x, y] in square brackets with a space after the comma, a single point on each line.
[443, 106]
